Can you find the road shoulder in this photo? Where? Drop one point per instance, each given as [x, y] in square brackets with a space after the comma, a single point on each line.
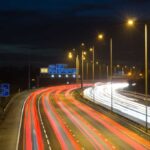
[10, 124]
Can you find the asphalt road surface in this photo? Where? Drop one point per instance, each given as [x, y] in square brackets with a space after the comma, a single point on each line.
[10, 121]
[53, 119]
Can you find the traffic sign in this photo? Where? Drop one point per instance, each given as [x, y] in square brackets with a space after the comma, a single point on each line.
[4, 90]
[60, 69]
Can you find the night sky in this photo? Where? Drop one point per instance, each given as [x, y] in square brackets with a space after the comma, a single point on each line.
[43, 30]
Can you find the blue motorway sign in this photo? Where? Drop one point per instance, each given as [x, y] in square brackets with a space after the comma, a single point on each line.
[60, 69]
[61, 65]
[4, 89]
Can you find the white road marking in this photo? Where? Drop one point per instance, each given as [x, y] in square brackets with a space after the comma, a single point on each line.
[46, 136]
[20, 124]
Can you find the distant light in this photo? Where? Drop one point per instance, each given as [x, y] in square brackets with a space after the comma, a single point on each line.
[140, 74]
[119, 85]
[133, 84]
[129, 74]
[33, 79]
[73, 75]
[118, 66]
[43, 70]
[133, 67]
[82, 44]
[100, 36]
[91, 49]
[83, 57]
[52, 76]
[130, 22]
[70, 56]
[97, 63]
[84, 53]
[66, 75]
[67, 82]
[59, 76]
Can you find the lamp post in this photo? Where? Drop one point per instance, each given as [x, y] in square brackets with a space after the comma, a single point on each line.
[77, 68]
[130, 22]
[107, 72]
[82, 45]
[146, 74]
[111, 73]
[87, 71]
[70, 56]
[83, 68]
[82, 73]
[100, 37]
[82, 54]
[100, 70]
[93, 63]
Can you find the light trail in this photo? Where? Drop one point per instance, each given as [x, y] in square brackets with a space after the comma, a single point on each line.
[32, 135]
[128, 107]
[64, 123]
[60, 130]
[123, 133]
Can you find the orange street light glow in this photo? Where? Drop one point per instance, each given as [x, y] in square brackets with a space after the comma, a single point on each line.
[100, 36]
[91, 49]
[130, 22]
[83, 57]
[84, 53]
[118, 66]
[70, 55]
[129, 74]
[140, 74]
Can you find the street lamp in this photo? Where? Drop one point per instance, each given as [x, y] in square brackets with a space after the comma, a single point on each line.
[100, 37]
[111, 73]
[82, 46]
[70, 56]
[87, 70]
[93, 63]
[83, 59]
[84, 53]
[99, 68]
[131, 23]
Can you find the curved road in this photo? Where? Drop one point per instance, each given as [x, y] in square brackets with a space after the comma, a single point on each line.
[130, 107]
[54, 119]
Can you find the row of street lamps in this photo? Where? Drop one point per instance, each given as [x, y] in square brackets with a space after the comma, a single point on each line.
[130, 23]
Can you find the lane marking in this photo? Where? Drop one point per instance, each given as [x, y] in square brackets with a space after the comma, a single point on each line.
[48, 142]
[20, 123]
[46, 136]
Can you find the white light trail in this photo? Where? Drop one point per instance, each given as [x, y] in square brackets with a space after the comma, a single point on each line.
[123, 105]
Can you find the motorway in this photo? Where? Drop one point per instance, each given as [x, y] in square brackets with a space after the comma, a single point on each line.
[129, 105]
[54, 119]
